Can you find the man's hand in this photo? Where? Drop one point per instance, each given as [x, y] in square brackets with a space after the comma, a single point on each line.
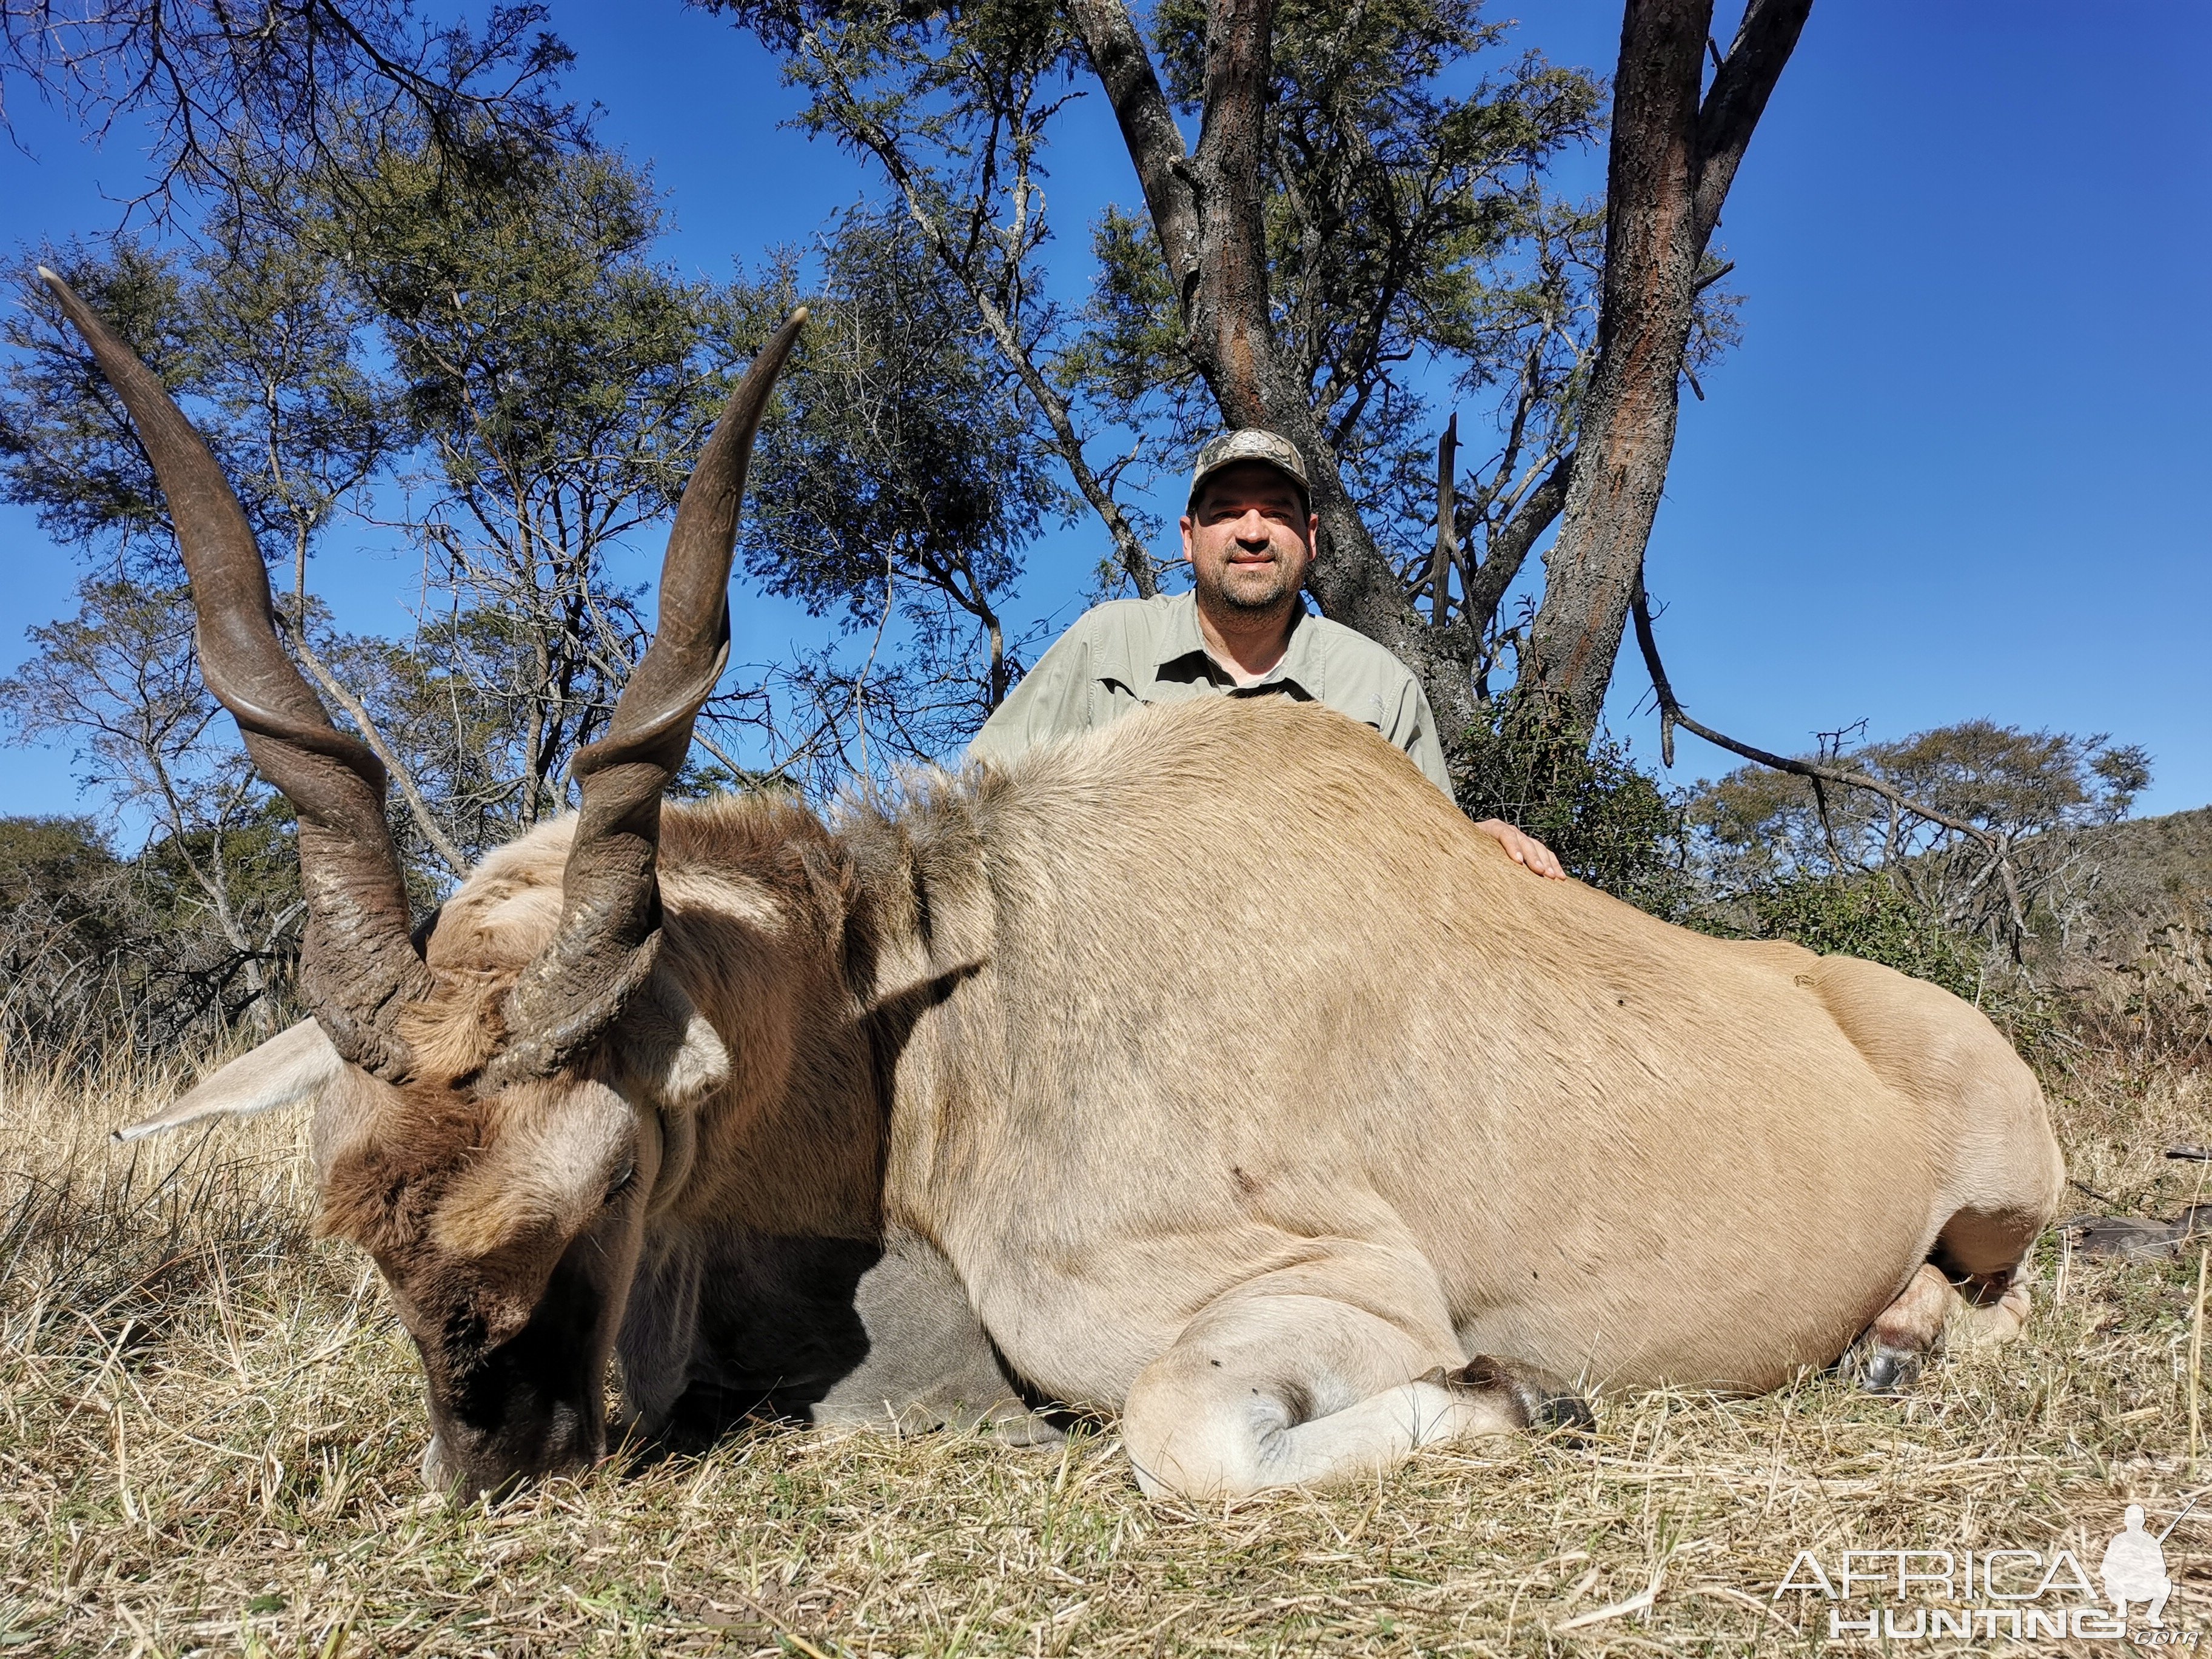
[1523, 849]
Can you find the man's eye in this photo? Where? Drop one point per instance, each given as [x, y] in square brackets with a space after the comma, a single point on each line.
[623, 1179]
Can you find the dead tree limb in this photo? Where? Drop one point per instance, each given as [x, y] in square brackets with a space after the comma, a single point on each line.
[1447, 542]
[1994, 842]
[1510, 542]
[426, 822]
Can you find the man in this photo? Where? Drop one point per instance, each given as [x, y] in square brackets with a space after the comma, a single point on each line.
[1249, 533]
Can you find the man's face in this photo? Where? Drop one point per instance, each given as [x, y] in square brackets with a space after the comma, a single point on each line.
[1248, 537]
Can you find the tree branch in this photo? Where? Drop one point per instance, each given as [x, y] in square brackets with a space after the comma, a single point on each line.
[998, 319]
[1155, 144]
[433, 833]
[1509, 548]
[1737, 98]
[1671, 715]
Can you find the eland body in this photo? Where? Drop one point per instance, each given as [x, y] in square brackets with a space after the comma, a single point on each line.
[1210, 1069]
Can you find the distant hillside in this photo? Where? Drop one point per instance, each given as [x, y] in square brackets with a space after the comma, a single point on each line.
[2134, 953]
[2143, 873]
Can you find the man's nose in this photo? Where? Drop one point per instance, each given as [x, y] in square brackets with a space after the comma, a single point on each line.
[1253, 530]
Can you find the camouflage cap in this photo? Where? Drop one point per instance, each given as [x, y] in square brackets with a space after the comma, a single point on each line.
[1249, 443]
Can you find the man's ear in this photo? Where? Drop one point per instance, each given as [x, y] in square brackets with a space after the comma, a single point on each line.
[294, 1066]
[1185, 521]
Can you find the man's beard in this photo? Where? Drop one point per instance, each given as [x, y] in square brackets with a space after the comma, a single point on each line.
[1255, 601]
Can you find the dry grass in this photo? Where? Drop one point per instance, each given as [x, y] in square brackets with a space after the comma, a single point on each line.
[211, 1424]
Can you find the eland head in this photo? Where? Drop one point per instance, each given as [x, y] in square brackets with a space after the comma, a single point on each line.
[500, 1098]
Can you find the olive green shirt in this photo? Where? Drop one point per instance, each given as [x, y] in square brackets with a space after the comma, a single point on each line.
[1126, 653]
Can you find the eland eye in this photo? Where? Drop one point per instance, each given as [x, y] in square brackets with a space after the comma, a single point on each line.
[624, 1179]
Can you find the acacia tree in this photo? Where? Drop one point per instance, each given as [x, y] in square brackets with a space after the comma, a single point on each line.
[510, 356]
[260, 330]
[1342, 223]
[231, 95]
[1981, 826]
[558, 383]
[899, 486]
[1672, 162]
[1402, 223]
[1402, 227]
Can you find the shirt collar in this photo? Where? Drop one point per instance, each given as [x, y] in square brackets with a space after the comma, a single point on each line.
[1301, 661]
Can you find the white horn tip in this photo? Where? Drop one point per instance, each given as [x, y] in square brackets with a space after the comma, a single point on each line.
[48, 275]
[800, 313]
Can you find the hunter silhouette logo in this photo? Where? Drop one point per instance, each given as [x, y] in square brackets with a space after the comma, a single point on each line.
[1934, 1595]
[2134, 1568]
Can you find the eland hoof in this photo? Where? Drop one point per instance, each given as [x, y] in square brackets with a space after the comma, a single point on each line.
[1543, 1402]
[1879, 1369]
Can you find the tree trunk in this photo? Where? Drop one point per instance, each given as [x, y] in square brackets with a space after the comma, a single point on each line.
[1670, 165]
[1672, 161]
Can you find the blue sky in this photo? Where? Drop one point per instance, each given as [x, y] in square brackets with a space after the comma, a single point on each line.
[1956, 468]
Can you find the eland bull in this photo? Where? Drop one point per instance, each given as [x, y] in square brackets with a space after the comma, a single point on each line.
[1210, 1069]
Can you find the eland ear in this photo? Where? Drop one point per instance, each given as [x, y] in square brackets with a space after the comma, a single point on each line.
[291, 1067]
[670, 1051]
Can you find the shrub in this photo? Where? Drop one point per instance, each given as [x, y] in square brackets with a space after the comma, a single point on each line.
[1613, 824]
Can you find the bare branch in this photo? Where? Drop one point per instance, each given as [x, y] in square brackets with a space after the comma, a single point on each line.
[1671, 715]
[1509, 545]
[426, 822]
[1447, 550]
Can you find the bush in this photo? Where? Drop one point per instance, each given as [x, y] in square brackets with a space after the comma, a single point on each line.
[1865, 916]
[1613, 824]
[97, 951]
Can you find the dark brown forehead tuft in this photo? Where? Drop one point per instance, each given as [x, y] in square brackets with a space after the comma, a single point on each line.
[382, 1191]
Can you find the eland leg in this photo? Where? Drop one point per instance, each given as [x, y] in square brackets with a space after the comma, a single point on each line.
[928, 1363]
[1975, 1283]
[1979, 1311]
[1328, 1371]
[1985, 1251]
[1890, 1353]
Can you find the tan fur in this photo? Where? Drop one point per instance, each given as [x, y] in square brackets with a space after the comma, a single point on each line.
[1244, 1084]
[1260, 1001]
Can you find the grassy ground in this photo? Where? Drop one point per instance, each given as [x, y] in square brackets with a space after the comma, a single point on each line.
[210, 1425]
